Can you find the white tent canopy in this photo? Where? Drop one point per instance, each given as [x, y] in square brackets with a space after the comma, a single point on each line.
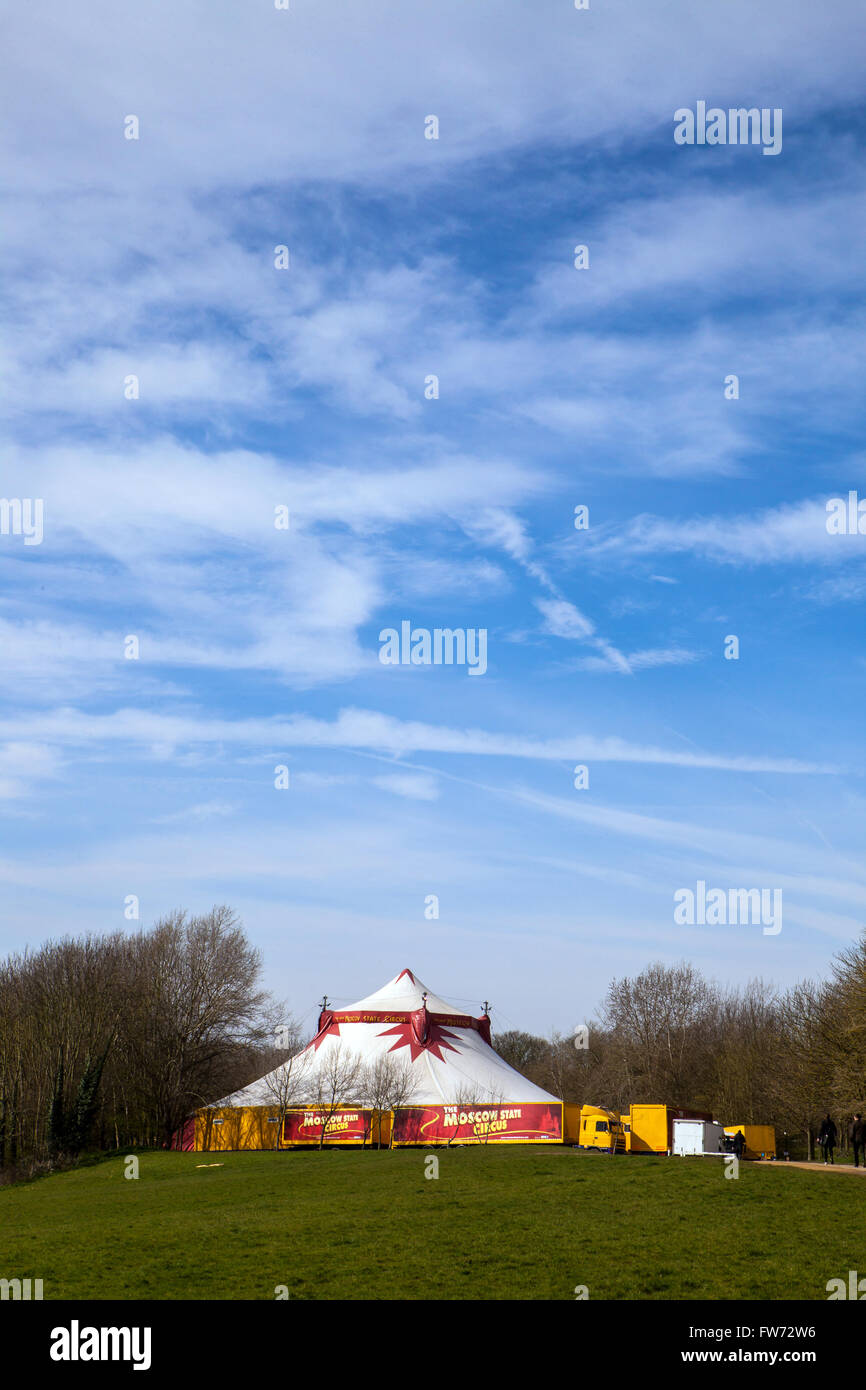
[449, 1051]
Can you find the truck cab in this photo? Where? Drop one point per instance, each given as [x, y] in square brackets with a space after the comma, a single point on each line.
[601, 1130]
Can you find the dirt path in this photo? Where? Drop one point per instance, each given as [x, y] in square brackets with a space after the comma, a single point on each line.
[818, 1167]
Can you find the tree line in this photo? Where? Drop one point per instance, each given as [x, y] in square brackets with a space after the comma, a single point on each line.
[751, 1055]
[110, 1042]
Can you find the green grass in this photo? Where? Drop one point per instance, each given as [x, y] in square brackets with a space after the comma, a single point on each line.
[498, 1223]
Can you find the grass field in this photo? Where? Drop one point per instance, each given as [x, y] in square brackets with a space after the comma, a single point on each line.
[498, 1223]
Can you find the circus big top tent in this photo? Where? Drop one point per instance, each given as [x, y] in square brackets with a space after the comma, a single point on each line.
[459, 1089]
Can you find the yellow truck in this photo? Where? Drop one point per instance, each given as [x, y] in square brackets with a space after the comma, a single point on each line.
[652, 1127]
[625, 1121]
[760, 1140]
[593, 1127]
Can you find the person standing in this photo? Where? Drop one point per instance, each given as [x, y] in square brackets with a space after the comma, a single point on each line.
[857, 1137]
[827, 1138]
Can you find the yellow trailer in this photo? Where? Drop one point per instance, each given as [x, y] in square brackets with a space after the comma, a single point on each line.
[652, 1126]
[570, 1123]
[760, 1140]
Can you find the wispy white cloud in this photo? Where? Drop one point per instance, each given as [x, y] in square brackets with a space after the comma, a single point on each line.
[309, 99]
[24, 765]
[203, 577]
[744, 854]
[646, 660]
[788, 534]
[414, 786]
[563, 619]
[203, 811]
[369, 729]
[305, 388]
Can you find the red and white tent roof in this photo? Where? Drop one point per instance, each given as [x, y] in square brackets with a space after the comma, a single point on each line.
[449, 1051]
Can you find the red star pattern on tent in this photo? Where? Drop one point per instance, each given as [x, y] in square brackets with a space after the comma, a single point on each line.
[436, 1039]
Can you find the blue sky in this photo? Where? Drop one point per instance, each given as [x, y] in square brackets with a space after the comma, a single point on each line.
[305, 388]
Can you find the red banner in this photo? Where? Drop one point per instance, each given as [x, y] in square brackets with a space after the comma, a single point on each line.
[381, 1016]
[479, 1124]
[343, 1127]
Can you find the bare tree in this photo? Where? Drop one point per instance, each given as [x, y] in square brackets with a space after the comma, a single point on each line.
[384, 1085]
[289, 1083]
[467, 1100]
[194, 1002]
[655, 1022]
[521, 1050]
[335, 1083]
[495, 1098]
[803, 1079]
[744, 1034]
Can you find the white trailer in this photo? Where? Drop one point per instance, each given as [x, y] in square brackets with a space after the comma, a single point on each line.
[696, 1137]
